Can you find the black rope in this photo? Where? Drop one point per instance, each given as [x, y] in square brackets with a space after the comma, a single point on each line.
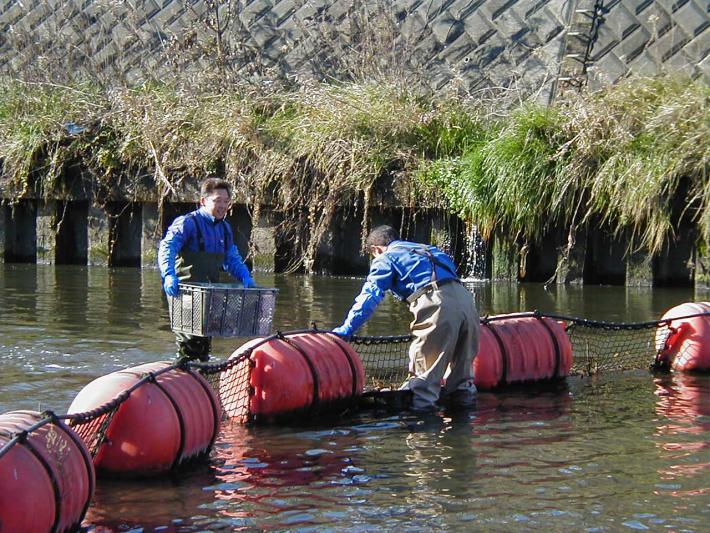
[311, 366]
[555, 343]
[392, 339]
[216, 412]
[178, 413]
[50, 474]
[503, 352]
[86, 456]
[353, 370]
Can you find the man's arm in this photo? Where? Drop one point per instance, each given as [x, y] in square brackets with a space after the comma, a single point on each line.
[174, 240]
[379, 280]
[235, 266]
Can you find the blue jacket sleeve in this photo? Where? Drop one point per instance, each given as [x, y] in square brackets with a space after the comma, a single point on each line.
[174, 240]
[378, 281]
[235, 266]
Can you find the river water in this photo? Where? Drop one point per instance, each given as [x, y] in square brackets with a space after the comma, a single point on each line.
[615, 452]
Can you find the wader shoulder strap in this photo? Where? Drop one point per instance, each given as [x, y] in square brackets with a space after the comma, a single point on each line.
[198, 230]
[424, 251]
[228, 236]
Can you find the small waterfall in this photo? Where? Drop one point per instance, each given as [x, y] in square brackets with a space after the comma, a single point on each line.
[475, 255]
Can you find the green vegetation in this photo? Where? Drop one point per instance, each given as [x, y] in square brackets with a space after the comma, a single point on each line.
[621, 156]
[618, 156]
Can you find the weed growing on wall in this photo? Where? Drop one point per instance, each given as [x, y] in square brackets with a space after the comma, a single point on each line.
[622, 156]
[619, 156]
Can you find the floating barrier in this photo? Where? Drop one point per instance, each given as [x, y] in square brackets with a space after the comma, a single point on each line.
[515, 349]
[169, 416]
[289, 374]
[46, 474]
[685, 346]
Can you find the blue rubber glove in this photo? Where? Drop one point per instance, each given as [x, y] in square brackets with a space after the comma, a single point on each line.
[343, 333]
[250, 284]
[170, 285]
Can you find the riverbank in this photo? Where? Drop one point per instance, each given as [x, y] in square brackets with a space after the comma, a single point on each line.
[604, 187]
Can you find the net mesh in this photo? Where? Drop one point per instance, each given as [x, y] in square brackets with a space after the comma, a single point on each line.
[596, 347]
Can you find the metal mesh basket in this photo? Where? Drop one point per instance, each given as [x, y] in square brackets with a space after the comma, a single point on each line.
[222, 310]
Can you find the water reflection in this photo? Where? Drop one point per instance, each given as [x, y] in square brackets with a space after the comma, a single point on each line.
[262, 470]
[684, 405]
[69, 303]
[604, 451]
[441, 458]
[17, 283]
[154, 504]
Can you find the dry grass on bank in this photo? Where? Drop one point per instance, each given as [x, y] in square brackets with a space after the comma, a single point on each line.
[622, 156]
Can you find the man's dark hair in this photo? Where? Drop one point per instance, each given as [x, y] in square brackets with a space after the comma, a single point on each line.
[210, 185]
[382, 236]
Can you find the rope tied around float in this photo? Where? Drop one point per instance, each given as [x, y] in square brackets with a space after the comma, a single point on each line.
[386, 360]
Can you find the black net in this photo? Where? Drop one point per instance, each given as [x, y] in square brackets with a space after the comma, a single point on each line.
[604, 347]
[386, 360]
[92, 429]
[230, 380]
[596, 347]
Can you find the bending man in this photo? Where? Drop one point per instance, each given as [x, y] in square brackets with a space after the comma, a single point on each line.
[196, 247]
[445, 326]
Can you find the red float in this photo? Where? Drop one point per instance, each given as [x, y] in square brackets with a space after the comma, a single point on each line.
[163, 422]
[687, 346]
[519, 349]
[46, 475]
[290, 374]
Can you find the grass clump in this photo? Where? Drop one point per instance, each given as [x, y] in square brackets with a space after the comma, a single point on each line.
[35, 138]
[636, 142]
[627, 156]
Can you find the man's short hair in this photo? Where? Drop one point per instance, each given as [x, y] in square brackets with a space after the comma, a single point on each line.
[211, 185]
[382, 236]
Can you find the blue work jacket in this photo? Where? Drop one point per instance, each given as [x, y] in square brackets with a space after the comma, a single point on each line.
[217, 238]
[402, 269]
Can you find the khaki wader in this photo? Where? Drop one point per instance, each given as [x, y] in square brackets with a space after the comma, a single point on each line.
[446, 335]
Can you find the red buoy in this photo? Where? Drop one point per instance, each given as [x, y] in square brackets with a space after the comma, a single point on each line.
[162, 423]
[518, 349]
[289, 374]
[46, 475]
[686, 344]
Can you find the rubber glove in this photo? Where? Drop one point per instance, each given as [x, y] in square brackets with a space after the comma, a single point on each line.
[170, 285]
[343, 332]
[250, 284]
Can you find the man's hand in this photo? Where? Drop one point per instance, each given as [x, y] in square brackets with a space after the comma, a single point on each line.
[343, 333]
[170, 285]
[249, 284]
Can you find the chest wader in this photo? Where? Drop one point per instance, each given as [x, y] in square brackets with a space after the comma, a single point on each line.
[434, 283]
[198, 266]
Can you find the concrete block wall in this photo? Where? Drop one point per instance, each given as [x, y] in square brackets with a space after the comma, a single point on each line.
[476, 44]
[647, 37]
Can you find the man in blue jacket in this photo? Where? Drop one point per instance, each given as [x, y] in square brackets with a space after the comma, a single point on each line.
[446, 323]
[196, 247]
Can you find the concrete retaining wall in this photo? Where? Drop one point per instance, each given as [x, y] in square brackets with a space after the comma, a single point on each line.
[127, 234]
[528, 44]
